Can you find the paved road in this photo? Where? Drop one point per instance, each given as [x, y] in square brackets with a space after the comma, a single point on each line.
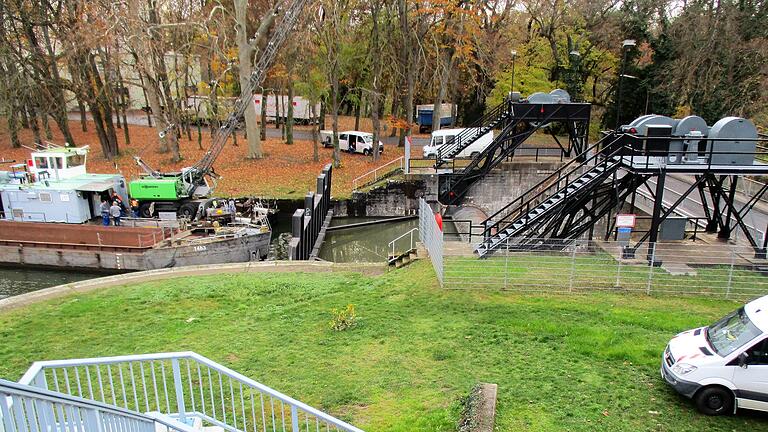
[140, 119]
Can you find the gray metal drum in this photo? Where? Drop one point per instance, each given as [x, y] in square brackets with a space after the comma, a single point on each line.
[540, 98]
[685, 127]
[641, 124]
[734, 142]
[560, 96]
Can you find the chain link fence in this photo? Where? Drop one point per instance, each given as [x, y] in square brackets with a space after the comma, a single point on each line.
[679, 268]
[431, 236]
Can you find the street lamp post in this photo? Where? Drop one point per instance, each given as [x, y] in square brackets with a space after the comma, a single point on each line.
[514, 56]
[625, 47]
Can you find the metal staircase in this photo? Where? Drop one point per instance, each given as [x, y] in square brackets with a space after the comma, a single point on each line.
[489, 121]
[524, 120]
[180, 391]
[564, 205]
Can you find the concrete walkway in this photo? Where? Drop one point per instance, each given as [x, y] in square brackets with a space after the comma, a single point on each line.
[81, 287]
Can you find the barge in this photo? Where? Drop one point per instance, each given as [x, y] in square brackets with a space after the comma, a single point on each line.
[128, 248]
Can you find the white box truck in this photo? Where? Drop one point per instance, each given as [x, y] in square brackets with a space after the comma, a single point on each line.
[302, 108]
[447, 137]
[723, 366]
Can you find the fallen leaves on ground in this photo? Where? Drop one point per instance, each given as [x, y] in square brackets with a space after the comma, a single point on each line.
[286, 171]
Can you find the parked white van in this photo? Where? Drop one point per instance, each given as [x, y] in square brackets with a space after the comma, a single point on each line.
[351, 141]
[447, 136]
[724, 366]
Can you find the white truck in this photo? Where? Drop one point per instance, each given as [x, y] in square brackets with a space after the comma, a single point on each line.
[302, 108]
[723, 366]
[351, 141]
[200, 107]
[444, 137]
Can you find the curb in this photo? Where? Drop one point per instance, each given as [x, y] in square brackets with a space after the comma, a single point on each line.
[86, 286]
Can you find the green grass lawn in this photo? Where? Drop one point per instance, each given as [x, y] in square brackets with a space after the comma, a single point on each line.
[580, 363]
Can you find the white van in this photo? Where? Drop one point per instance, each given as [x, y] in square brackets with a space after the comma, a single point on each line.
[724, 366]
[447, 136]
[351, 141]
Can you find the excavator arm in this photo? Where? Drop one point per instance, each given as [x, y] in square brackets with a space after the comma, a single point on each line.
[266, 58]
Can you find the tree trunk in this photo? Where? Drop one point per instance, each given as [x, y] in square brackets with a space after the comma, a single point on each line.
[13, 128]
[335, 103]
[263, 125]
[104, 106]
[357, 109]
[245, 53]
[377, 66]
[395, 111]
[34, 125]
[315, 134]
[289, 119]
[59, 108]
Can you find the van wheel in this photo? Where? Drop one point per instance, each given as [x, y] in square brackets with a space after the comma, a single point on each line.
[714, 401]
[366, 152]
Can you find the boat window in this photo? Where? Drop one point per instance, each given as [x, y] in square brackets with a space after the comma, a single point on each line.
[57, 163]
[75, 160]
[41, 162]
[731, 333]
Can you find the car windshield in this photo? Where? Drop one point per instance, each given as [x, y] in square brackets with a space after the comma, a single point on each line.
[367, 138]
[731, 333]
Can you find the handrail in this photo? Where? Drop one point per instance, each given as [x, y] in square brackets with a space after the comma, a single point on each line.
[392, 243]
[25, 406]
[375, 171]
[558, 174]
[147, 385]
[471, 133]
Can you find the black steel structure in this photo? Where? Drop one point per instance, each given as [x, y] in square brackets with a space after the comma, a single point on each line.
[516, 121]
[598, 185]
[307, 224]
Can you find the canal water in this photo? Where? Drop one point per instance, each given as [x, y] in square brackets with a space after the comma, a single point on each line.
[15, 281]
[364, 244]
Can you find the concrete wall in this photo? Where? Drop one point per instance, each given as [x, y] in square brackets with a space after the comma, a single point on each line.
[507, 183]
[391, 199]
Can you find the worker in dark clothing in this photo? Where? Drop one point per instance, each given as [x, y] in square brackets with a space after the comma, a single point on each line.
[119, 200]
[104, 207]
[115, 211]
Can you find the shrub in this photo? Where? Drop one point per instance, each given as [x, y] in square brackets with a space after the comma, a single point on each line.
[343, 319]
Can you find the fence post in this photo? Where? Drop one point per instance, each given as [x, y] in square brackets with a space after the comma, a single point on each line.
[94, 419]
[618, 269]
[573, 269]
[295, 419]
[179, 389]
[506, 262]
[730, 275]
[650, 268]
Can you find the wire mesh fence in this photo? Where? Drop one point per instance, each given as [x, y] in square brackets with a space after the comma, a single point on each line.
[676, 268]
[431, 236]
